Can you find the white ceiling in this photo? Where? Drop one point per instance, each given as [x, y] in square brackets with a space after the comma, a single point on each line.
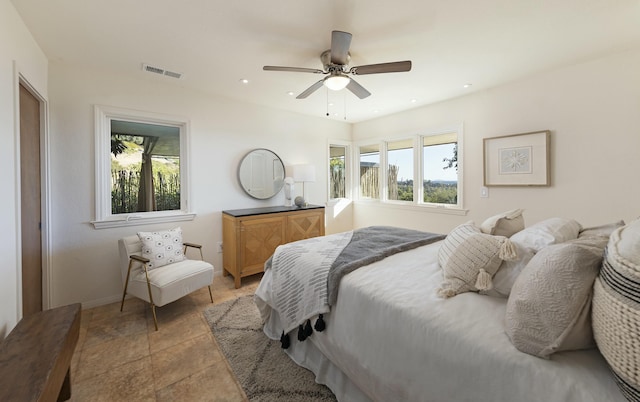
[216, 43]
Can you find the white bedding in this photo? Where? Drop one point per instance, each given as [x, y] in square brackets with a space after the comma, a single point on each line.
[396, 340]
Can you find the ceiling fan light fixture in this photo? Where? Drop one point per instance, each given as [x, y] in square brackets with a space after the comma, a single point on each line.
[336, 82]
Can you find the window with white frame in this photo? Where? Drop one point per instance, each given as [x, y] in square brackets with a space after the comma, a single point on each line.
[440, 169]
[141, 168]
[369, 161]
[400, 168]
[338, 166]
[423, 170]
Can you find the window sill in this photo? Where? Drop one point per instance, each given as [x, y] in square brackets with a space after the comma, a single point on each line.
[415, 207]
[137, 220]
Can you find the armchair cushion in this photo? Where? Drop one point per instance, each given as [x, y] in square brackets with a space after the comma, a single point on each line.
[170, 282]
[162, 248]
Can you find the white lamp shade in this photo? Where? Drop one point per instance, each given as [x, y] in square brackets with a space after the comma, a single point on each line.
[336, 82]
[304, 173]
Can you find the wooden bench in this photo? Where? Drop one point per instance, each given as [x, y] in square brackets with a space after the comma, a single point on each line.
[35, 358]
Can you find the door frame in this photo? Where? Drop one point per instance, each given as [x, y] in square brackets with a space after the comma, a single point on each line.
[45, 207]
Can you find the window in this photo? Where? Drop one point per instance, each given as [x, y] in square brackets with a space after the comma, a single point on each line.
[337, 171]
[421, 170]
[145, 167]
[370, 171]
[400, 170]
[141, 168]
[440, 169]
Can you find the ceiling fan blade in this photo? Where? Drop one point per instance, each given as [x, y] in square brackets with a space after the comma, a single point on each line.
[293, 69]
[393, 67]
[340, 43]
[310, 90]
[357, 89]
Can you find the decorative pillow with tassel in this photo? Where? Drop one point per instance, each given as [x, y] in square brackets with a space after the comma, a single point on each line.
[470, 258]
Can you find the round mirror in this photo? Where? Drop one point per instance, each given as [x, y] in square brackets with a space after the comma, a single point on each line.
[261, 174]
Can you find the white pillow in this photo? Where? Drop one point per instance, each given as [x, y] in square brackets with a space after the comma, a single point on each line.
[162, 248]
[508, 271]
[547, 232]
[549, 309]
[602, 230]
[469, 258]
[504, 224]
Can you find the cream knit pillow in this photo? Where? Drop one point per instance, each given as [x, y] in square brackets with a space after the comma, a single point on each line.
[469, 258]
[504, 224]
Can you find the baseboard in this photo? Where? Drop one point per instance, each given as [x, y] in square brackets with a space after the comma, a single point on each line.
[101, 302]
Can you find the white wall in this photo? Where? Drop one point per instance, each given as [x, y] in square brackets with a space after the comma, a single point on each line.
[85, 260]
[592, 110]
[17, 48]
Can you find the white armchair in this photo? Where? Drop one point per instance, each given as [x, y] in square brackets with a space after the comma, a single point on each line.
[164, 284]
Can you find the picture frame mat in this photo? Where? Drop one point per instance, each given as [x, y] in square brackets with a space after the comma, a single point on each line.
[517, 160]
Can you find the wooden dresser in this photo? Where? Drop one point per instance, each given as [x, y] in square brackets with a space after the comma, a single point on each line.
[250, 236]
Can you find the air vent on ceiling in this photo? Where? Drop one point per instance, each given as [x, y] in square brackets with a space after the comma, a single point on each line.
[161, 71]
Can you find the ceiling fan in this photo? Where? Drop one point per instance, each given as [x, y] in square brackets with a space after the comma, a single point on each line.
[335, 62]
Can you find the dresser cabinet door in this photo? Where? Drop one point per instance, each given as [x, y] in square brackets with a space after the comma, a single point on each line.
[304, 226]
[258, 240]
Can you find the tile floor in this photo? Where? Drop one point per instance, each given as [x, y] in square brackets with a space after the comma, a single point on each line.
[121, 357]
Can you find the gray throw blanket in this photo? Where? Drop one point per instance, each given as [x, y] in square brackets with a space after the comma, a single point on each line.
[372, 244]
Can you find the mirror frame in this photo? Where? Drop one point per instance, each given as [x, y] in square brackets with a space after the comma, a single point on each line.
[245, 186]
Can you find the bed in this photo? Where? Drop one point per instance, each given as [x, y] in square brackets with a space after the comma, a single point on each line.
[390, 336]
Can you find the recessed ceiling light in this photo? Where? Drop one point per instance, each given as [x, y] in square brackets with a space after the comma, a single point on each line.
[414, 100]
[244, 81]
[467, 85]
[330, 104]
[290, 93]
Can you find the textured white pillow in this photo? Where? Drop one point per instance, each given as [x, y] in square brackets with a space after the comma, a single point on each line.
[162, 248]
[547, 232]
[549, 309]
[504, 224]
[527, 242]
[469, 258]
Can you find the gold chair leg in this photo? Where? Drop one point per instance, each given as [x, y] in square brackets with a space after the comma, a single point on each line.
[126, 285]
[155, 319]
[202, 259]
[153, 306]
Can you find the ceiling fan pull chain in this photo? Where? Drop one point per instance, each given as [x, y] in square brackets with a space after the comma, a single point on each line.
[327, 92]
[344, 104]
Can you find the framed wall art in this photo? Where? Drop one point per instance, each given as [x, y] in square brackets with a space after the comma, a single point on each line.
[517, 160]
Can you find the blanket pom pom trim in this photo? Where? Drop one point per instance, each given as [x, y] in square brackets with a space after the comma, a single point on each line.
[304, 331]
[308, 331]
[285, 341]
[320, 324]
[301, 334]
